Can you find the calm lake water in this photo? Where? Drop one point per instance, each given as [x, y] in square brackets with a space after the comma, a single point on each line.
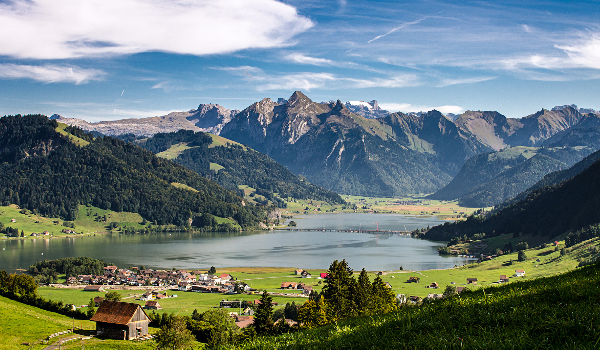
[302, 249]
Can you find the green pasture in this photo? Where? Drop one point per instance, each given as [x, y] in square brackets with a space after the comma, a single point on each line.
[20, 323]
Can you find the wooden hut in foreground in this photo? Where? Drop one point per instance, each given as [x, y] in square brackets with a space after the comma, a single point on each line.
[119, 320]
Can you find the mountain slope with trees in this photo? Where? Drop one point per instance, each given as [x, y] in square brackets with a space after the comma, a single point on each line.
[549, 211]
[236, 166]
[51, 170]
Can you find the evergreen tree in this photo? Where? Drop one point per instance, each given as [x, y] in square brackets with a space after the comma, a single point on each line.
[382, 297]
[263, 316]
[361, 295]
[336, 291]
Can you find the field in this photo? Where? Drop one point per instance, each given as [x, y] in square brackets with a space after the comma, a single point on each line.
[444, 210]
[558, 312]
[22, 323]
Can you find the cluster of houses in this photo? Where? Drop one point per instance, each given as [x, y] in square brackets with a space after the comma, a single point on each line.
[45, 233]
[136, 277]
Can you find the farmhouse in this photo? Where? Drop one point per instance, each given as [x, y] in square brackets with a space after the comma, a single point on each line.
[289, 285]
[471, 280]
[93, 289]
[413, 280]
[503, 279]
[152, 305]
[119, 320]
[519, 273]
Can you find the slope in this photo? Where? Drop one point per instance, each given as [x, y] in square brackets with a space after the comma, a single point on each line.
[335, 148]
[556, 312]
[237, 166]
[43, 171]
[548, 211]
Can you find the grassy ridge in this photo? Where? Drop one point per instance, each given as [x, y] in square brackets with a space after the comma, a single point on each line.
[559, 312]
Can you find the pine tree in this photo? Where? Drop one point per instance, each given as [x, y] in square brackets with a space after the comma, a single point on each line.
[263, 316]
[336, 291]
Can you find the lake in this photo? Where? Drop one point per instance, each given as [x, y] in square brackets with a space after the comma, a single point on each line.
[280, 248]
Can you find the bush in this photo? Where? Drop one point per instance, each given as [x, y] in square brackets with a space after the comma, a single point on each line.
[522, 256]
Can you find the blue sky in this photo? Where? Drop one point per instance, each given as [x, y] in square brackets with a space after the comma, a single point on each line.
[115, 59]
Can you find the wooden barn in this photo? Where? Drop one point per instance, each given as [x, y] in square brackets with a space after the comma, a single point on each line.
[119, 320]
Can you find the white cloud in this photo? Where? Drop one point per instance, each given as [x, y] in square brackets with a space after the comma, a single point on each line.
[59, 29]
[402, 26]
[408, 108]
[449, 82]
[398, 81]
[303, 59]
[585, 53]
[300, 81]
[50, 73]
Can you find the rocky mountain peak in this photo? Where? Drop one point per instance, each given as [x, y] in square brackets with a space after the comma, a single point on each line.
[298, 98]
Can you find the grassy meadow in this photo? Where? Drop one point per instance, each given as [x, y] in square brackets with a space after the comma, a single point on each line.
[558, 312]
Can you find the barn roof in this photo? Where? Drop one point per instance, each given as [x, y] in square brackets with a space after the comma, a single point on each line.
[116, 312]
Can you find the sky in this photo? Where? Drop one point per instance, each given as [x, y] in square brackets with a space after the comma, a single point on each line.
[116, 59]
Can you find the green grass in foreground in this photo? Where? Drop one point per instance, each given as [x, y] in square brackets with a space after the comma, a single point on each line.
[21, 323]
[558, 312]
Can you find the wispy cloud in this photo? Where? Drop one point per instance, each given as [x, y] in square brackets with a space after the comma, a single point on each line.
[303, 59]
[50, 73]
[402, 26]
[409, 108]
[61, 29]
[586, 52]
[449, 82]
[300, 81]
[397, 81]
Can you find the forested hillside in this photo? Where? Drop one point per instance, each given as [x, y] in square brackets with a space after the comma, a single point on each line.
[548, 211]
[234, 165]
[50, 169]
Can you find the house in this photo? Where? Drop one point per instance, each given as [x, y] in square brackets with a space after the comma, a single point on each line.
[93, 289]
[152, 305]
[184, 286]
[324, 275]
[413, 280]
[98, 301]
[387, 284]
[244, 321]
[226, 277]
[305, 274]
[519, 273]
[119, 320]
[289, 285]
[299, 271]
[307, 290]
[471, 280]
[503, 279]
[230, 304]
[459, 289]
[71, 280]
[381, 273]
[433, 285]
[147, 296]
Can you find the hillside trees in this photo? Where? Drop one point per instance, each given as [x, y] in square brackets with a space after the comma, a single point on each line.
[42, 170]
[343, 297]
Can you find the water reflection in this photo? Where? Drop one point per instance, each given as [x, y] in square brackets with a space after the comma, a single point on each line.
[305, 249]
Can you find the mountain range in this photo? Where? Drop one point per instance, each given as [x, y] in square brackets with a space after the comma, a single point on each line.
[335, 147]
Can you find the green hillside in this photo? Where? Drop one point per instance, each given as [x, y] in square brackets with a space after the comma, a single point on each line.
[556, 312]
[547, 212]
[51, 174]
[232, 166]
